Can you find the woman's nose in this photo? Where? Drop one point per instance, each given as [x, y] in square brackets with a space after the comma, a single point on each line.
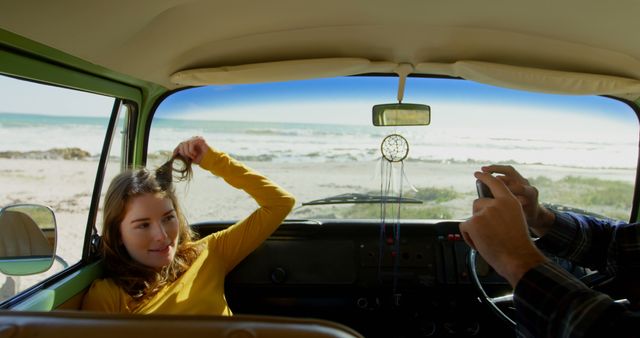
[159, 234]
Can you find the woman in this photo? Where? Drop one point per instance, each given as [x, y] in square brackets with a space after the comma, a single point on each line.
[152, 263]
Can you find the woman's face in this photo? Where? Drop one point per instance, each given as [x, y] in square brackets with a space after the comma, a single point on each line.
[150, 230]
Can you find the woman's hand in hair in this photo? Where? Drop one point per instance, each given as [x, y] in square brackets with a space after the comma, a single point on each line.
[193, 149]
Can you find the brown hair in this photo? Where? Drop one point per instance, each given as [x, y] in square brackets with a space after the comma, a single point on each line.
[136, 279]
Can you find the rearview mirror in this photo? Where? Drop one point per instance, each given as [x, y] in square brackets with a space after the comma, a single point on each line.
[401, 114]
[27, 239]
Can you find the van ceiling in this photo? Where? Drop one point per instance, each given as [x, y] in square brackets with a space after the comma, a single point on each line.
[153, 39]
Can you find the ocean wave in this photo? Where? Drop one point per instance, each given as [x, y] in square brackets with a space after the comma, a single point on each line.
[301, 132]
[271, 132]
[255, 158]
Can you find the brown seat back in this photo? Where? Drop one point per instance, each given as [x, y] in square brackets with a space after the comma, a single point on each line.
[60, 324]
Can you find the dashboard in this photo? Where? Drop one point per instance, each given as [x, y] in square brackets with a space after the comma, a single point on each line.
[407, 279]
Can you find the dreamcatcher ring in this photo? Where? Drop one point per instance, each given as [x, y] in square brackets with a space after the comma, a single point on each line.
[394, 148]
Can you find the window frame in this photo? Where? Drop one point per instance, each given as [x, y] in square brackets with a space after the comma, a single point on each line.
[25, 66]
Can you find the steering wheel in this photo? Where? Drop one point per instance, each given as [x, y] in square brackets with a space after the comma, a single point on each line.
[491, 302]
[594, 279]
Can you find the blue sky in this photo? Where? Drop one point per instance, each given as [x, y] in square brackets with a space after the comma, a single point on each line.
[349, 100]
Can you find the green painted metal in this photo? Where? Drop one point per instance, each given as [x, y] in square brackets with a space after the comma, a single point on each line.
[26, 265]
[32, 69]
[55, 295]
[144, 114]
[32, 60]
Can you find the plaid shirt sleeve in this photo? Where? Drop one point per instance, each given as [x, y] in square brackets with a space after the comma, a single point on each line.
[551, 302]
[599, 244]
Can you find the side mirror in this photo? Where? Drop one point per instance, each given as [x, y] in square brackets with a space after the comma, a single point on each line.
[27, 239]
[401, 114]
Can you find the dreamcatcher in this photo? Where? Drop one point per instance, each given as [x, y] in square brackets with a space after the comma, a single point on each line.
[395, 149]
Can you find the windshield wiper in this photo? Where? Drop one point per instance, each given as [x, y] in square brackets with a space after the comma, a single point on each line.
[353, 198]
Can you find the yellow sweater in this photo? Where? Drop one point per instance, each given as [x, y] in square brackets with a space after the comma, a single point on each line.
[200, 290]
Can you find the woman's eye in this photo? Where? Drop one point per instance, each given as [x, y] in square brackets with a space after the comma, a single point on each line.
[142, 225]
[169, 218]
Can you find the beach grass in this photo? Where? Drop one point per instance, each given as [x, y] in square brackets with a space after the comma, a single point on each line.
[606, 197]
[589, 195]
[390, 211]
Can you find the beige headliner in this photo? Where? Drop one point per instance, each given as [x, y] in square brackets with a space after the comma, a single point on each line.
[153, 39]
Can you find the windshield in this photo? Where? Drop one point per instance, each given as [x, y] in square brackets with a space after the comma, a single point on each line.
[316, 139]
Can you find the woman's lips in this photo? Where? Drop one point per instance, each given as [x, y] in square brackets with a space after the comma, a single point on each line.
[163, 249]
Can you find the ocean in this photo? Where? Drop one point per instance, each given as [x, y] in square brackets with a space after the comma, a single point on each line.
[298, 142]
